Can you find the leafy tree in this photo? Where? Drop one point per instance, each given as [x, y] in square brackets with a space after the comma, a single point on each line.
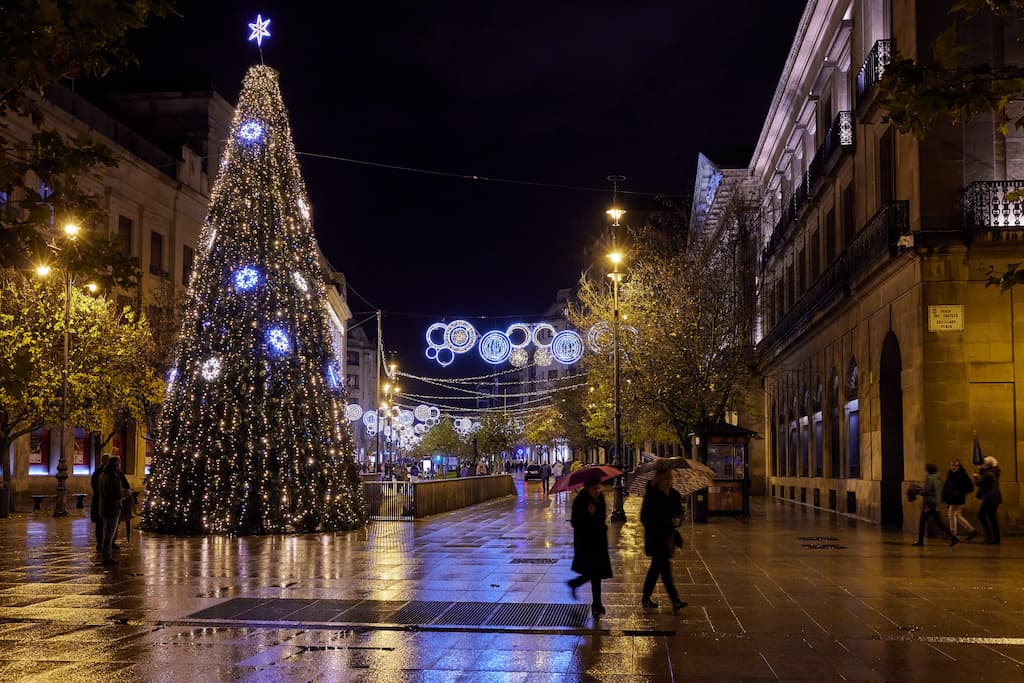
[107, 368]
[442, 438]
[498, 433]
[686, 311]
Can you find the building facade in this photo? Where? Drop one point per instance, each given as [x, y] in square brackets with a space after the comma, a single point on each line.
[880, 346]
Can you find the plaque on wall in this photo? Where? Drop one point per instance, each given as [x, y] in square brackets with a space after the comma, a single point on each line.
[946, 318]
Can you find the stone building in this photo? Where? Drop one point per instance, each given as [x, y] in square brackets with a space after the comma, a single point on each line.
[881, 348]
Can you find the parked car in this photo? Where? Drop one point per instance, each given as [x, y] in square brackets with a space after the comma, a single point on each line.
[531, 472]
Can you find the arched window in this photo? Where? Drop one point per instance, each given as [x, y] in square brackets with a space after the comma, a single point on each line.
[852, 421]
[816, 431]
[834, 453]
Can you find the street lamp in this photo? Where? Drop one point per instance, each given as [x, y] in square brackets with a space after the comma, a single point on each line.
[60, 508]
[616, 257]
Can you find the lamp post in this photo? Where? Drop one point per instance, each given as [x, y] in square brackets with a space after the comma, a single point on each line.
[615, 256]
[60, 508]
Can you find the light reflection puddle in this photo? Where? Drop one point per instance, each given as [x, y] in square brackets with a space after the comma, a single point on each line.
[965, 640]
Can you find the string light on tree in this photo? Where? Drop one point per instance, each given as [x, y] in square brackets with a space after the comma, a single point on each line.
[257, 405]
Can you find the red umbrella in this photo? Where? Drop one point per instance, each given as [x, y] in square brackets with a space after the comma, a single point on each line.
[585, 477]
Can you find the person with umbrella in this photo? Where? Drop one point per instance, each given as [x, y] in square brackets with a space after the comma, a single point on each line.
[661, 513]
[590, 538]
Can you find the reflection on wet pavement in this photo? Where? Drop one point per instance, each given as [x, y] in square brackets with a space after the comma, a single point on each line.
[480, 595]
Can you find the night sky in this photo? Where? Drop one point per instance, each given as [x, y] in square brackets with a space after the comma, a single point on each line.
[563, 93]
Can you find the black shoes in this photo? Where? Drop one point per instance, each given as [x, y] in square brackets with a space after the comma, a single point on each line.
[647, 603]
[598, 610]
[917, 543]
[677, 605]
[572, 588]
[971, 534]
[109, 561]
[953, 540]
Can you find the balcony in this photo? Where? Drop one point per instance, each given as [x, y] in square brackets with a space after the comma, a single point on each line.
[873, 69]
[994, 205]
[840, 135]
[862, 257]
[878, 237]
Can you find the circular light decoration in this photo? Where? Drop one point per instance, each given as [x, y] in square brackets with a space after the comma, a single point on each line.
[278, 341]
[445, 356]
[543, 335]
[407, 418]
[245, 278]
[420, 429]
[459, 336]
[599, 337]
[370, 419]
[433, 422]
[567, 347]
[435, 413]
[354, 412]
[422, 412]
[516, 329]
[250, 132]
[463, 425]
[542, 356]
[519, 358]
[300, 281]
[495, 347]
[371, 431]
[210, 369]
[431, 335]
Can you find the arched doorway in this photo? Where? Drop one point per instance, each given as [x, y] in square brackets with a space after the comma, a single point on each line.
[890, 401]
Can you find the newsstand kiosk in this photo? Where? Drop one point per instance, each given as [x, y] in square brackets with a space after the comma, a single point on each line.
[727, 450]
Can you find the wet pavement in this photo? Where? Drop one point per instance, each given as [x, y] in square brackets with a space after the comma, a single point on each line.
[480, 595]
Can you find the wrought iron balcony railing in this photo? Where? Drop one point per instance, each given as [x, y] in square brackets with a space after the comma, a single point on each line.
[874, 68]
[993, 204]
[878, 237]
[831, 286]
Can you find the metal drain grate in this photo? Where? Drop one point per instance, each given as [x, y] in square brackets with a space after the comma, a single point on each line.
[420, 612]
[371, 611]
[816, 538]
[564, 615]
[823, 546]
[229, 609]
[533, 560]
[466, 614]
[509, 614]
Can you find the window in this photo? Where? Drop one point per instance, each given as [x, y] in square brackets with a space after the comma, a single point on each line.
[352, 358]
[833, 428]
[552, 375]
[801, 269]
[815, 255]
[886, 169]
[790, 287]
[819, 459]
[156, 253]
[3, 198]
[847, 209]
[124, 232]
[352, 381]
[45, 192]
[831, 243]
[852, 422]
[188, 259]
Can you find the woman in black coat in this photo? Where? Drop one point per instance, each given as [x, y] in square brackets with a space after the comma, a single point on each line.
[991, 497]
[661, 513]
[590, 543]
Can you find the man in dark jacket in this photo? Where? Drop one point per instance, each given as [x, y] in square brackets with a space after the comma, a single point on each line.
[930, 506]
[661, 512]
[94, 505]
[954, 495]
[111, 498]
[991, 497]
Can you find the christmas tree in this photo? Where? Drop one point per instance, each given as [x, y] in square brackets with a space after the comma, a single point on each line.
[252, 437]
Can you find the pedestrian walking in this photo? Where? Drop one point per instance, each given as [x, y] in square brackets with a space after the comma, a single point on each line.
[545, 475]
[481, 469]
[557, 469]
[991, 497]
[954, 495]
[590, 543]
[661, 513]
[127, 507]
[94, 504]
[930, 506]
[111, 498]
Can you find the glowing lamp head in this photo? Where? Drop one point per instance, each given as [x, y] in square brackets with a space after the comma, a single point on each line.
[92, 287]
[72, 230]
[615, 214]
[616, 257]
[42, 271]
